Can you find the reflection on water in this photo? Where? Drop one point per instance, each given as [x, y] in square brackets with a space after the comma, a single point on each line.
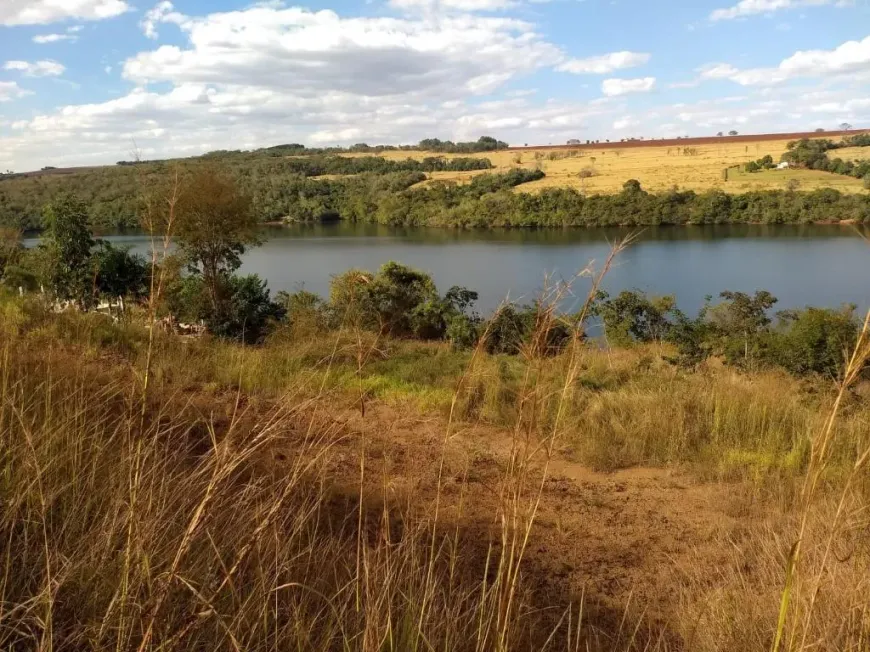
[823, 265]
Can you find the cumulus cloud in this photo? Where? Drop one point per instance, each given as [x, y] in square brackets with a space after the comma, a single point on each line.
[605, 63]
[301, 51]
[44, 68]
[614, 87]
[11, 91]
[849, 58]
[753, 7]
[42, 12]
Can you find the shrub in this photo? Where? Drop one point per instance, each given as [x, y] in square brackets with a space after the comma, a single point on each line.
[633, 317]
[400, 301]
[244, 313]
[306, 313]
[813, 340]
[513, 326]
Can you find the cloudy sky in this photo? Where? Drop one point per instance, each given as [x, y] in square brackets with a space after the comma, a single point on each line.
[84, 81]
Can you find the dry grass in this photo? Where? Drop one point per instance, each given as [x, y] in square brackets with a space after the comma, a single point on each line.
[246, 511]
[851, 153]
[780, 180]
[695, 167]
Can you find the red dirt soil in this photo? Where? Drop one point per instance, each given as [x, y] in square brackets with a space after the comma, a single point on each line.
[706, 140]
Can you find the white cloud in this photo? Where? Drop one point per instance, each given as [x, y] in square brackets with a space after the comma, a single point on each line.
[306, 52]
[626, 122]
[44, 68]
[718, 71]
[849, 107]
[605, 63]
[11, 91]
[53, 38]
[753, 7]
[614, 87]
[42, 12]
[850, 58]
[163, 12]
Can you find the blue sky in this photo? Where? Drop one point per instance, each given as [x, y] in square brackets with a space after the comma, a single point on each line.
[86, 81]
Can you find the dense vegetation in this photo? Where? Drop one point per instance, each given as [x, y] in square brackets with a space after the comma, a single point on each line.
[482, 144]
[279, 191]
[813, 155]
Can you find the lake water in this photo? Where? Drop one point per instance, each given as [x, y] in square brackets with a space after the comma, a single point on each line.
[822, 265]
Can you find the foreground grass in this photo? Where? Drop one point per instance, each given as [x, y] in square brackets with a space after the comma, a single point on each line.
[228, 508]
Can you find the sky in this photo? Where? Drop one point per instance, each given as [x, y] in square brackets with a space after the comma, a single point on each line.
[86, 82]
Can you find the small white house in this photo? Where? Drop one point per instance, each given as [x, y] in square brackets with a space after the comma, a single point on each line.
[785, 165]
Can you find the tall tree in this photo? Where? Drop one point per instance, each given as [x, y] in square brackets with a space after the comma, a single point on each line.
[66, 246]
[215, 226]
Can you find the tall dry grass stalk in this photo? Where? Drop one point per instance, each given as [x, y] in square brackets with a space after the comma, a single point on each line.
[797, 615]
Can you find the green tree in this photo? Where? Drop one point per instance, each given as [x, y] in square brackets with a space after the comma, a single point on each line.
[739, 322]
[66, 245]
[813, 340]
[120, 273]
[215, 226]
[631, 316]
[397, 300]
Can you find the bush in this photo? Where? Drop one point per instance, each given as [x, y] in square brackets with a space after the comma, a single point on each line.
[633, 317]
[813, 340]
[400, 301]
[513, 326]
[120, 273]
[306, 313]
[245, 312]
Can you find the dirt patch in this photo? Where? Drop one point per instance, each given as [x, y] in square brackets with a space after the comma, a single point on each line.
[619, 541]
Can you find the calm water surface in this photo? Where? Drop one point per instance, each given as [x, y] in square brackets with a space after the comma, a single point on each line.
[802, 265]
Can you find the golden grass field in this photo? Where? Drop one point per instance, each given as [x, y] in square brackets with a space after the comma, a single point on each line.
[696, 167]
[851, 153]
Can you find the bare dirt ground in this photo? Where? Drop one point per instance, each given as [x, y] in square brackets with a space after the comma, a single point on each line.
[620, 542]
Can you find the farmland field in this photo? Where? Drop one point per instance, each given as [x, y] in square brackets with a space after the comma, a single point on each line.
[694, 166]
[851, 153]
